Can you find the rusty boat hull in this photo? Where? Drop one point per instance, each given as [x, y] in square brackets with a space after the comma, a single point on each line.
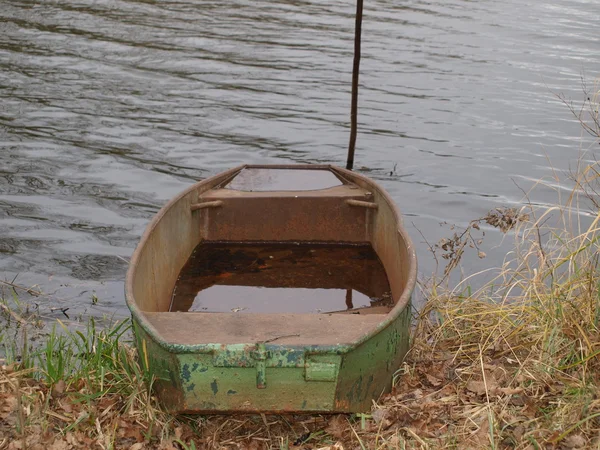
[226, 362]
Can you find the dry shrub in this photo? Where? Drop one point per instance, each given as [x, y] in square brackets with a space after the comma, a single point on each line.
[515, 363]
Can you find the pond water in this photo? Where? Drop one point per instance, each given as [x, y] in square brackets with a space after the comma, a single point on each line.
[110, 108]
[283, 278]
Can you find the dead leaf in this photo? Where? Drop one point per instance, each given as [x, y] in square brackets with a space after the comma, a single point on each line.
[15, 445]
[130, 430]
[58, 390]
[382, 418]
[138, 446]
[574, 441]
[413, 394]
[511, 391]
[435, 382]
[66, 407]
[106, 403]
[379, 415]
[337, 426]
[8, 408]
[517, 400]
[336, 446]
[71, 439]
[481, 436]
[178, 432]
[478, 387]
[518, 432]
[59, 444]
[252, 445]
[167, 446]
[9, 369]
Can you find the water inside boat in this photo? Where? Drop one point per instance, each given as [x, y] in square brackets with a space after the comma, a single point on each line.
[265, 180]
[283, 278]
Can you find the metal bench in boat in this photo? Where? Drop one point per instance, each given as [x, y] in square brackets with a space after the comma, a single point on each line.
[275, 362]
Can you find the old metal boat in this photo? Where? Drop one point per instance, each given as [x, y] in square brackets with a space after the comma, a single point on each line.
[275, 362]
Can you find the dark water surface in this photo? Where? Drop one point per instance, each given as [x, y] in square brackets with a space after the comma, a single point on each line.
[282, 278]
[109, 108]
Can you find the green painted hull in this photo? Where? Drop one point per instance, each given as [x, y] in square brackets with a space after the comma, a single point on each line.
[275, 378]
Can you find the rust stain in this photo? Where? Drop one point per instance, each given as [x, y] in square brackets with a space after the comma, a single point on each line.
[342, 404]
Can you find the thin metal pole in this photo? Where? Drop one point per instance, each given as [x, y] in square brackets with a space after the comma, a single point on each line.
[355, 71]
[349, 303]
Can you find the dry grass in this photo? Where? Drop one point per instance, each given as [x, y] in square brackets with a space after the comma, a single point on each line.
[514, 364]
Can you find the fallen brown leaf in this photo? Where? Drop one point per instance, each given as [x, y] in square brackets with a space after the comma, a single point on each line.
[336, 446]
[58, 390]
[59, 444]
[337, 427]
[574, 441]
[433, 380]
[477, 387]
[510, 391]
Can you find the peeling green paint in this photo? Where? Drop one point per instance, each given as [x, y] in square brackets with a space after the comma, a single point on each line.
[185, 373]
[311, 378]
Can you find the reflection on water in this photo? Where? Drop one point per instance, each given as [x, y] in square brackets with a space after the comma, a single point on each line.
[282, 278]
[107, 109]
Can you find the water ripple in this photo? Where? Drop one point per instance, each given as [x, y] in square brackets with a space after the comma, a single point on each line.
[110, 108]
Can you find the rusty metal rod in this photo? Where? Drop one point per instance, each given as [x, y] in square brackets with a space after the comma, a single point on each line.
[355, 71]
[362, 204]
[214, 204]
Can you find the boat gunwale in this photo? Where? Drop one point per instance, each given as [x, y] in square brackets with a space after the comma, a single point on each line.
[345, 175]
